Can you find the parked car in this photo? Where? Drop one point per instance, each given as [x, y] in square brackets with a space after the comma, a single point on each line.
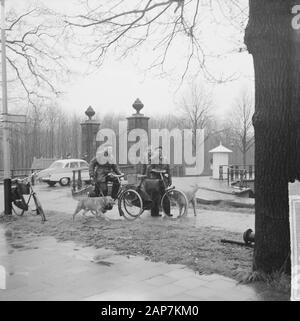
[61, 171]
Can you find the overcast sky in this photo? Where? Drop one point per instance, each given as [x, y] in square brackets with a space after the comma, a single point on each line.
[115, 86]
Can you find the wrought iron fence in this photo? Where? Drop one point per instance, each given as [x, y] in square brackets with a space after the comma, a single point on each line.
[236, 173]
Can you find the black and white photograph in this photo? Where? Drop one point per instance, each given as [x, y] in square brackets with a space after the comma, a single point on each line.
[150, 152]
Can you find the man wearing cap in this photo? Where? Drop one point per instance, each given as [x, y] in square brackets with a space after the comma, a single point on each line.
[157, 161]
[100, 169]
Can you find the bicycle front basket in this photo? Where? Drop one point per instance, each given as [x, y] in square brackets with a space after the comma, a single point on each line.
[24, 189]
[15, 194]
[152, 185]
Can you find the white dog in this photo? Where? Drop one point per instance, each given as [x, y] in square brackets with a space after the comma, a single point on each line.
[96, 205]
[191, 196]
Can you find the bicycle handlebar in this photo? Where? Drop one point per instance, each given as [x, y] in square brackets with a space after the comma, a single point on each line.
[18, 180]
[141, 176]
[159, 171]
[26, 179]
[117, 175]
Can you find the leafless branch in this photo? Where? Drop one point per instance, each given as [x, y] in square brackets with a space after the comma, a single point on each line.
[113, 25]
[35, 55]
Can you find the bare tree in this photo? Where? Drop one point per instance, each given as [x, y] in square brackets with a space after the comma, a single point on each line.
[48, 133]
[126, 25]
[36, 53]
[241, 123]
[275, 122]
[111, 120]
[196, 110]
[168, 121]
[51, 117]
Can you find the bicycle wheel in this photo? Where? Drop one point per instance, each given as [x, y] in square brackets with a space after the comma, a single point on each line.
[130, 204]
[174, 202]
[39, 208]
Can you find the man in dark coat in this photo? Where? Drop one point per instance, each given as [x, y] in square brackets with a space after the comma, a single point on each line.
[156, 161]
[101, 169]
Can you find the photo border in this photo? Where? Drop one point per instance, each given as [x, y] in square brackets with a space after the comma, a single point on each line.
[295, 244]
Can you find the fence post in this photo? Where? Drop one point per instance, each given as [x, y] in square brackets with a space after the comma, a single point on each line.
[79, 182]
[250, 171]
[7, 196]
[74, 181]
[236, 172]
[228, 178]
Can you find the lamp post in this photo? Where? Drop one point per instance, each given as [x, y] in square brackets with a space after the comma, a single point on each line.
[6, 147]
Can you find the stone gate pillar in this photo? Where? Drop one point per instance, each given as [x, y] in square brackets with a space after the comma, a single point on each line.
[138, 121]
[89, 129]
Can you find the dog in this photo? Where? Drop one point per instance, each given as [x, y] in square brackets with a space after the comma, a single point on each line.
[96, 205]
[191, 196]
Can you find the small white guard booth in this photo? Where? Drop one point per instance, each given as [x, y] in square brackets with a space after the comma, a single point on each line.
[220, 157]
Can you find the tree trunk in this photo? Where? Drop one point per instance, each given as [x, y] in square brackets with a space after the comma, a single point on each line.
[244, 144]
[295, 142]
[244, 159]
[268, 40]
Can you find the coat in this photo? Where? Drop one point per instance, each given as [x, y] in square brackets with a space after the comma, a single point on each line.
[158, 165]
[99, 172]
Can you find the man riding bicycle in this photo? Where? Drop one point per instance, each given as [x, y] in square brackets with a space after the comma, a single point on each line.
[101, 170]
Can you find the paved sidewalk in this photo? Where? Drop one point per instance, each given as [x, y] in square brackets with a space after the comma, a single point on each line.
[46, 270]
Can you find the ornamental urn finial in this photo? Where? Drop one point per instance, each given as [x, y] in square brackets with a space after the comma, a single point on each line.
[90, 112]
[138, 105]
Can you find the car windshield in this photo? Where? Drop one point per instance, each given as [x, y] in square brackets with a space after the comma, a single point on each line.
[57, 165]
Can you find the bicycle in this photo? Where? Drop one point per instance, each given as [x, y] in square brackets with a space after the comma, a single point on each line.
[127, 196]
[176, 198]
[19, 204]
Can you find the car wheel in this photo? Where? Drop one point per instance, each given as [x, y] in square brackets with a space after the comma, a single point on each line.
[65, 181]
[51, 184]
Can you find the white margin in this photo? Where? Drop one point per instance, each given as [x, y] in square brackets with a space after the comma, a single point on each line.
[295, 247]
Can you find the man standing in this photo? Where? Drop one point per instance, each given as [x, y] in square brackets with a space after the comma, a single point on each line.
[157, 162]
